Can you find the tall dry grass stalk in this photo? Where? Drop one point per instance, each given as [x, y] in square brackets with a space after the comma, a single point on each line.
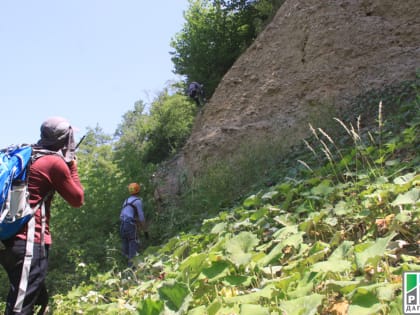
[306, 165]
[362, 157]
[380, 121]
[310, 148]
[313, 131]
[380, 125]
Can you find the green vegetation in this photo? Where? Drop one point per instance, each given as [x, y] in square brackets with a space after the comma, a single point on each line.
[333, 234]
[327, 227]
[155, 136]
[214, 35]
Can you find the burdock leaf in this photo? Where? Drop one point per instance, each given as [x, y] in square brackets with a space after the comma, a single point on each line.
[409, 198]
[241, 247]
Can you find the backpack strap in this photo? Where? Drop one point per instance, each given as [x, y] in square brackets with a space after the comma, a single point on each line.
[23, 283]
[30, 239]
[29, 251]
[131, 204]
[38, 152]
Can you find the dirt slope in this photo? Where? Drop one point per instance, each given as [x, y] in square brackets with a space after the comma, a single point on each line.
[308, 65]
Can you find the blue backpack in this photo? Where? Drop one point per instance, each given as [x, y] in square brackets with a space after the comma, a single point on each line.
[15, 211]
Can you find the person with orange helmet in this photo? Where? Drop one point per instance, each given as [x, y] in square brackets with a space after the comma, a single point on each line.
[132, 219]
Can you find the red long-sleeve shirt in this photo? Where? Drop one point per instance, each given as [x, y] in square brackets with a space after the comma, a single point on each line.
[51, 173]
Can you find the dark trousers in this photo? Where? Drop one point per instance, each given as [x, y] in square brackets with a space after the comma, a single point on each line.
[11, 259]
[128, 233]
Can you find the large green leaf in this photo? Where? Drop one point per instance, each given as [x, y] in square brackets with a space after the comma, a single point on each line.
[254, 297]
[396, 306]
[342, 208]
[219, 228]
[307, 305]
[284, 283]
[364, 302]
[404, 179]
[292, 240]
[214, 307]
[237, 280]
[337, 261]
[369, 310]
[252, 201]
[174, 294]
[192, 266]
[150, 307]
[241, 246]
[382, 292]
[404, 216]
[332, 266]
[342, 251]
[387, 292]
[323, 189]
[344, 287]
[260, 213]
[217, 270]
[272, 256]
[285, 232]
[269, 195]
[111, 309]
[199, 310]
[302, 287]
[409, 198]
[373, 253]
[252, 309]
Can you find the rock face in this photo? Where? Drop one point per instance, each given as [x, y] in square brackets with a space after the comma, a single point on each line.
[308, 65]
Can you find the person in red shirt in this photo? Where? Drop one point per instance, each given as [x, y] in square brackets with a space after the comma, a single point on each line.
[54, 169]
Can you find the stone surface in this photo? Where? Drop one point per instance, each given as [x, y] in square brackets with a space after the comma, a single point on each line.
[307, 66]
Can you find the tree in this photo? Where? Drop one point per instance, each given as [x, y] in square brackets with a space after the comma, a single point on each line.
[214, 35]
[84, 236]
[171, 119]
[151, 137]
[201, 48]
[132, 136]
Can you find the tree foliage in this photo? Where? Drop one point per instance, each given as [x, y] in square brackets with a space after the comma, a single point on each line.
[132, 135]
[214, 35]
[171, 119]
[153, 136]
[83, 237]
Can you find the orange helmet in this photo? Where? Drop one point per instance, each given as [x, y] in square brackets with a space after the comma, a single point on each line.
[133, 188]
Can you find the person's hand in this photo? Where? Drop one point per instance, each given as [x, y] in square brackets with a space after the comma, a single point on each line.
[72, 162]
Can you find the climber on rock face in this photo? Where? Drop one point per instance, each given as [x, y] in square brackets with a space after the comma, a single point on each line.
[196, 92]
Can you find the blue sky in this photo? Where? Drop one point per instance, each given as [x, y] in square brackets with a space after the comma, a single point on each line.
[86, 60]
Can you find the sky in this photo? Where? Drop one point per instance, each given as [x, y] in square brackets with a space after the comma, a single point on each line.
[85, 60]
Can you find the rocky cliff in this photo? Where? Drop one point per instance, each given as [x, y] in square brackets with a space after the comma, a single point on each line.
[307, 66]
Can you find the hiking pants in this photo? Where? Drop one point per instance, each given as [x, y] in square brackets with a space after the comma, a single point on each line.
[128, 233]
[11, 259]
